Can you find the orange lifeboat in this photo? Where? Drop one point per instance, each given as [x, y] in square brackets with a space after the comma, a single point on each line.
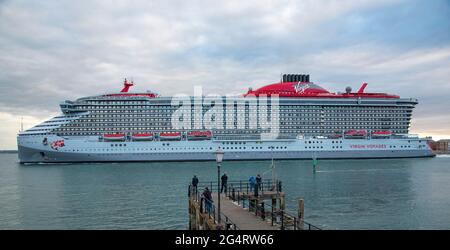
[170, 136]
[381, 134]
[142, 136]
[199, 135]
[353, 133]
[114, 137]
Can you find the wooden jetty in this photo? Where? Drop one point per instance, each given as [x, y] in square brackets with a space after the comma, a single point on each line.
[243, 207]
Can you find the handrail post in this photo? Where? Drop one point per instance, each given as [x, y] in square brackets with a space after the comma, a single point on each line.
[239, 198]
[263, 211]
[201, 206]
[272, 215]
[282, 220]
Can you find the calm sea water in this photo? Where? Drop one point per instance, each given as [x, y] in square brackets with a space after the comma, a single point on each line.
[342, 194]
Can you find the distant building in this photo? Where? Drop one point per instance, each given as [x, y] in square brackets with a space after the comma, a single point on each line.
[441, 145]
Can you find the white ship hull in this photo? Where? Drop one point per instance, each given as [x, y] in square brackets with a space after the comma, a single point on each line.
[91, 149]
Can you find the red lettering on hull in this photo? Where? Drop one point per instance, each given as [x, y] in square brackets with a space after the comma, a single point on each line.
[368, 146]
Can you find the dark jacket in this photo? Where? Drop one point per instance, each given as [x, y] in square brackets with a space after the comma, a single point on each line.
[194, 181]
[224, 179]
[207, 195]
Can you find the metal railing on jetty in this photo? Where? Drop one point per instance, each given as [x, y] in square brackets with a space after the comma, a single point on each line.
[206, 206]
[285, 220]
[253, 198]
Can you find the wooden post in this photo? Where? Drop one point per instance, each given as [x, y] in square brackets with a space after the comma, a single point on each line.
[196, 217]
[190, 213]
[301, 213]
[282, 204]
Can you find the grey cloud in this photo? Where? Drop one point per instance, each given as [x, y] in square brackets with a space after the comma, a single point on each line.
[52, 51]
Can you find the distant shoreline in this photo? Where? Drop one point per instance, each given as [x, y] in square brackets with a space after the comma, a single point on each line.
[442, 152]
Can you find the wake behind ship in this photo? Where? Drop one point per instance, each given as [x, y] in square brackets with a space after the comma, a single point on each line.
[311, 123]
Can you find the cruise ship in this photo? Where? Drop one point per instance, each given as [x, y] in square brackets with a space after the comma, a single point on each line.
[311, 123]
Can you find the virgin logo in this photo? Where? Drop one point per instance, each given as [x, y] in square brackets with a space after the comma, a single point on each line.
[57, 144]
[300, 88]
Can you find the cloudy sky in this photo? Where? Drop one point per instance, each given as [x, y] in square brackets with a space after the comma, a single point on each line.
[52, 51]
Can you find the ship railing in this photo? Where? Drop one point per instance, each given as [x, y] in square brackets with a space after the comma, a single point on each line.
[236, 137]
[243, 186]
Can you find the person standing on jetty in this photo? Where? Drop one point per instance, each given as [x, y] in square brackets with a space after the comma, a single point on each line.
[224, 179]
[208, 199]
[258, 182]
[252, 182]
[195, 183]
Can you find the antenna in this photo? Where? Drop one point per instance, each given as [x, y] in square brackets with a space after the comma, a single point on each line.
[21, 124]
